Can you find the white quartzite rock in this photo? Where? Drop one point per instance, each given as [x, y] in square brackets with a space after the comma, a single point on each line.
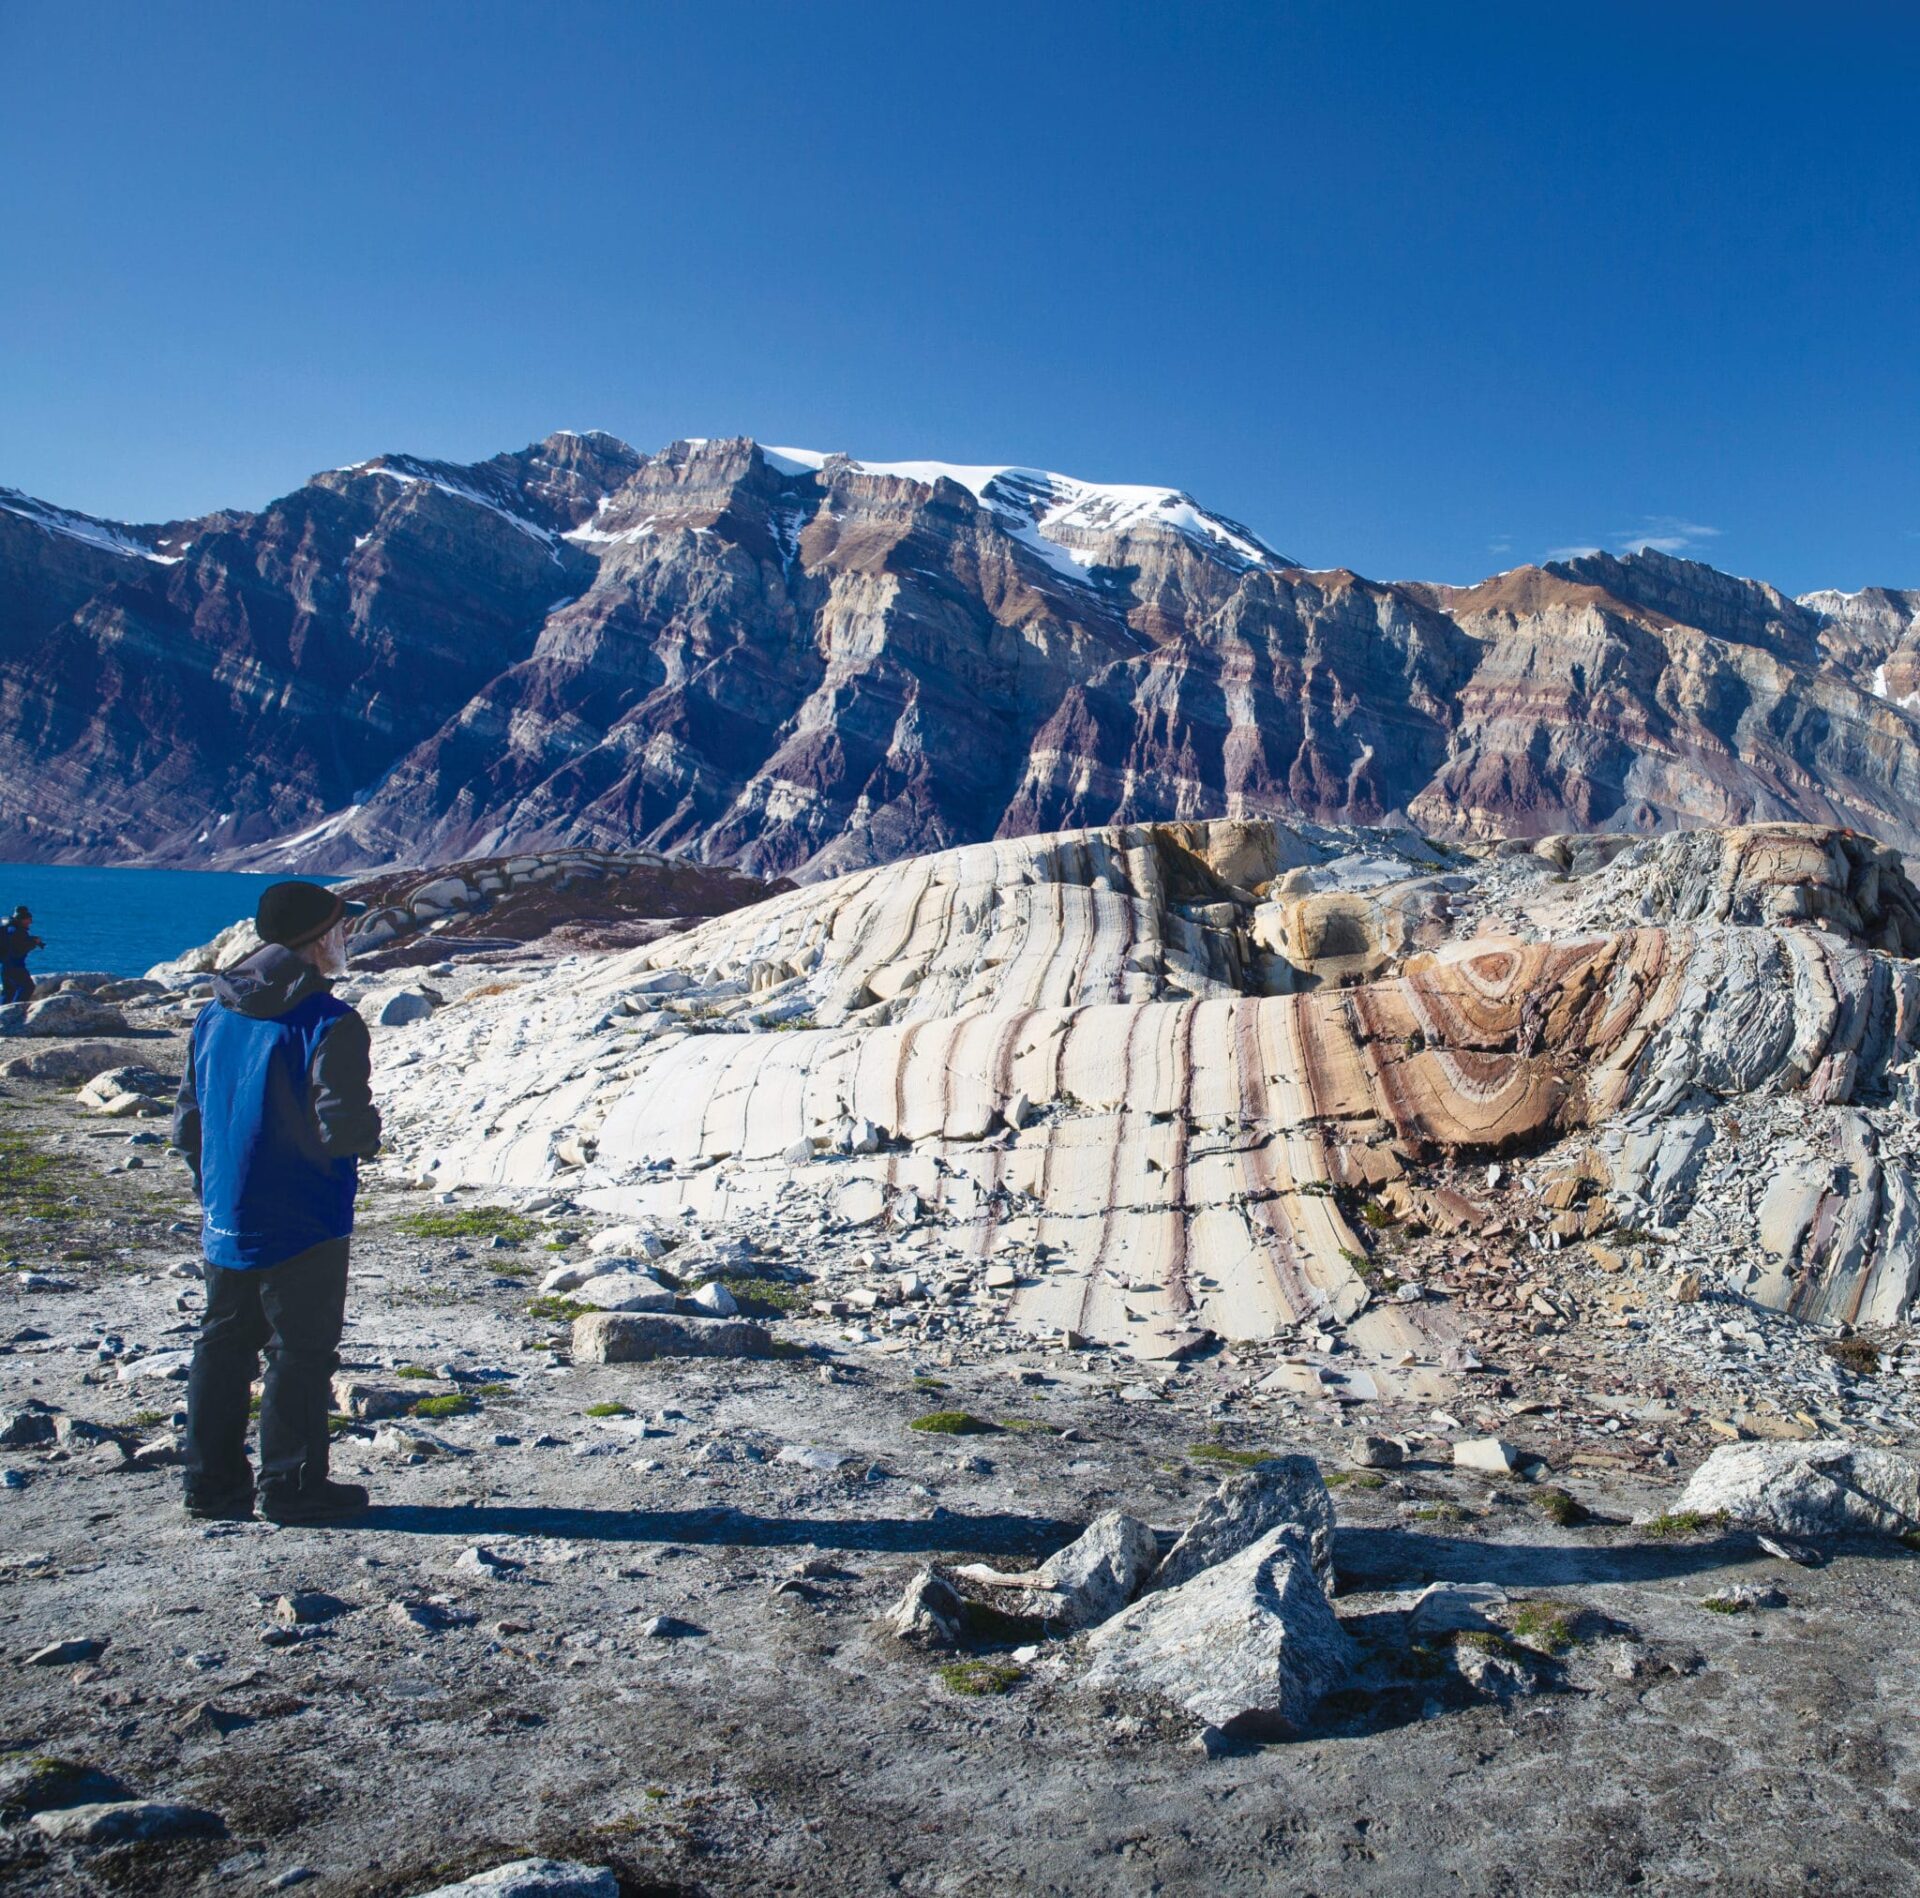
[399, 1007]
[1486, 1454]
[535, 1878]
[1283, 1491]
[629, 1290]
[1808, 1489]
[1249, 1646]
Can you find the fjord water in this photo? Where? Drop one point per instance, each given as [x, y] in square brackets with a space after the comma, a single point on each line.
[124, 921]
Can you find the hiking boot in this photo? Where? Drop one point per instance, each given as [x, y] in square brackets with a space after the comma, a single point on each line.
[207, 1506]
[324, 1502]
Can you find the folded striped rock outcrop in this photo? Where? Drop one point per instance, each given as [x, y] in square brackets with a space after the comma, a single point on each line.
[1172, 1075]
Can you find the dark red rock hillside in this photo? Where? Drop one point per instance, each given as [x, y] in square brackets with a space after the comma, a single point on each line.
[797, 664]
[563, 901]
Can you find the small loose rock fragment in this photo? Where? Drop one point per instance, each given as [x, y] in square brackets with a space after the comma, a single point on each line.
[1378, 1453]
[669, 1628]
[931, 1614]
[68, 1653]
[432, 1615]
[308, 1605]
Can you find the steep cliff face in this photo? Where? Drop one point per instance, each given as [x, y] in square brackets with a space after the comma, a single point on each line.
[802, 663]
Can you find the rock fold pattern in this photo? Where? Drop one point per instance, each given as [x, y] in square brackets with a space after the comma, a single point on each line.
[1119, 1062]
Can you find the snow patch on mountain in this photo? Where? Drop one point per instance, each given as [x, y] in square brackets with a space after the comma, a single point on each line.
[1048, 512]
[397, 468]
[82, 527]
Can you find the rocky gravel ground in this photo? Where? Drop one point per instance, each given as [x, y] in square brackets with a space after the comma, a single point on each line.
[637, 1614]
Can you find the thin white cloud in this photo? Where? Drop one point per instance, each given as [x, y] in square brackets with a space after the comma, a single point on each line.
[1664, 533]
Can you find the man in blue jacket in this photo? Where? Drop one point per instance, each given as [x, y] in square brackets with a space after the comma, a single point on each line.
[274, 1116]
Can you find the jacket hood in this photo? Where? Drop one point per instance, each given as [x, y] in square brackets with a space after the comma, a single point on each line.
[270, 981]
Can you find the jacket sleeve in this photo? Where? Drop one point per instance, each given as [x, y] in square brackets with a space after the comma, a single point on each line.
[343, 1106]
[186, 1114]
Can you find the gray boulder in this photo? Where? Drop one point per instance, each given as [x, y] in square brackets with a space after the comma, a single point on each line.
[1808, 1489]
[1249, 1645]
[31, 1783]
[122, 1821]
[33, 1423]
[1284, 1490]
[1098, 1573]
[621, 1337]
[69, 1013]
[69, 1062]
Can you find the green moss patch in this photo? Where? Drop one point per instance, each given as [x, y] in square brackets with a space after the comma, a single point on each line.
[470, 1222]
[608, 1410]
[766, 1298]
[555, 1309]
[1671, 1523]
[33, 1183]
[1545, 1625]
[454, 1404]
[953, 1423]
[1223, 1458]
[980, 1677]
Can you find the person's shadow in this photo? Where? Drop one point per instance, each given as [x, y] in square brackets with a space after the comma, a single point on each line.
[942, 1533]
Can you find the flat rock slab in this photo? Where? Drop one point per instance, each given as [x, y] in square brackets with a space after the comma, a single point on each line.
[1808, 1489]
[1489, 1455]
[620, 1337]
[124, 1821]
[1249, 1646]
[535, 1878]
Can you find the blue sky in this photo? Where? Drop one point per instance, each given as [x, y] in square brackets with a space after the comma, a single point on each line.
[1423, 290]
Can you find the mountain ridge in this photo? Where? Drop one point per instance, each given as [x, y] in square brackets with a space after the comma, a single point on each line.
[800, 663]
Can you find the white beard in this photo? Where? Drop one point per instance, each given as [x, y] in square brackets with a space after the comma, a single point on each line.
[333, 954]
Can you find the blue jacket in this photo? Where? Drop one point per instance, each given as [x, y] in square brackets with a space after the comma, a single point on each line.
[275, 1112]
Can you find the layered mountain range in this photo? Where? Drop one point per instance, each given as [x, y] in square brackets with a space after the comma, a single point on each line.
[801, 664]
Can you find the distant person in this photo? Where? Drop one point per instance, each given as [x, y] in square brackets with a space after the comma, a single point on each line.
[17, 943]
[274, 1117]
